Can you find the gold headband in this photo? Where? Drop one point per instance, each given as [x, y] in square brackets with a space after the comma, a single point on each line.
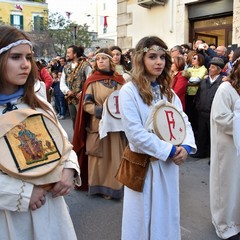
[154, 48]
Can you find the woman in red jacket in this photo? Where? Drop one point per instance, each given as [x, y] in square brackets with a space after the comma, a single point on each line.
[179, 78]
[44, 75]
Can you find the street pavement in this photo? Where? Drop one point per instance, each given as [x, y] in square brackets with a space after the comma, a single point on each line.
[95, 218]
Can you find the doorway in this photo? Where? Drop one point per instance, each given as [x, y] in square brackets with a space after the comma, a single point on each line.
[215, 30]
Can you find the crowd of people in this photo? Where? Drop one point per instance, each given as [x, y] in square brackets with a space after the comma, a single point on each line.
[111, 96]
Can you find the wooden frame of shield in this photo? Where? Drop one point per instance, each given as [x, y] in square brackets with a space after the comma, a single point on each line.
[111, 106]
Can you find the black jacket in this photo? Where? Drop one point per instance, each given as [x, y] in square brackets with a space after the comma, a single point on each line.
[205, 94]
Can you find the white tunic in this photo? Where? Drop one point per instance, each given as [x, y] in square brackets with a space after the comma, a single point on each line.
[154, 213]
[225, 164]
[51, 221]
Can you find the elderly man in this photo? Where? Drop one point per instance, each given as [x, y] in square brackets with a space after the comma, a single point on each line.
[176, 51]
[221, 52]
[203, 103]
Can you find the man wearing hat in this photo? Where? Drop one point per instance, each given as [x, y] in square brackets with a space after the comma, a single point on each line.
[203, 103]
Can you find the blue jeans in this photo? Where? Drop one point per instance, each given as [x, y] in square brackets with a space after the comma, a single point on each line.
[60, 104]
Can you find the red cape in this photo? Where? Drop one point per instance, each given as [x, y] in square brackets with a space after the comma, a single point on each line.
[79, 135]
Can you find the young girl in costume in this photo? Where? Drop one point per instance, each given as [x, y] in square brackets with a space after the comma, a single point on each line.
[103, 156]
[38, 166]
[153, 213]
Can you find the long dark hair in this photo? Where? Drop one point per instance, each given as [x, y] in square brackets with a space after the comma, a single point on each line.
[234, 76]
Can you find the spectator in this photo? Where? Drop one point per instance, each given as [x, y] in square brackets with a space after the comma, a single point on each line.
[188, 58]
[179, 78]
[60, 102]
[203, 48]
[198, 71]
[221, 52]
[212, 46]
[62, 63]
[176, 51]
[228, 66]
[91, 59]
[203, 104]
[44, 76]
[185, 47]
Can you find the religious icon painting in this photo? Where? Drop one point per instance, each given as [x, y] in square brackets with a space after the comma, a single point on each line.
[31, 144]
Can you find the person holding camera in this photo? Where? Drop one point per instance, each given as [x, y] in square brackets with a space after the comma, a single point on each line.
[203, 48]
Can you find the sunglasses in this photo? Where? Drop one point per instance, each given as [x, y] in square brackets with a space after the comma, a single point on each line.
[194, 58]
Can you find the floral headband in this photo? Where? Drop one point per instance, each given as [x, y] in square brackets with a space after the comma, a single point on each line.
[154, 48]
[14, 44]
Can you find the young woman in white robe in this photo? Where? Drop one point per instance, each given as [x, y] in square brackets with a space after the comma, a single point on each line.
[29, 210]
[154, 213]
[225, 161]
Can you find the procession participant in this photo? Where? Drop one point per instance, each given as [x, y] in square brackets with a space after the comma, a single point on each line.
[36, 171]
[74, 74]
[153, 213]
[225, 161]
[104, 155]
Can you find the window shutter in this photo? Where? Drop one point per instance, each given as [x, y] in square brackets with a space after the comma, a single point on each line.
[38, 23]
[21, 22]
[11, 20]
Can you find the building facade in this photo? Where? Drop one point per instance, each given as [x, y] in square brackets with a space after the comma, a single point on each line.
[178, 21]
[26, 15]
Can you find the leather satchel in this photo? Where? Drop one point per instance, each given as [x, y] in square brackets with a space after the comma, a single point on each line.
[133, 169]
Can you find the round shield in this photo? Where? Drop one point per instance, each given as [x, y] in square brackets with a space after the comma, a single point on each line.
[113, 104]
[169, 125]
[35, 146]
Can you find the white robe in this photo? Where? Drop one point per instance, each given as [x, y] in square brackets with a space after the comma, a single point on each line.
[225, 164]
[153, 214]
[51, 221]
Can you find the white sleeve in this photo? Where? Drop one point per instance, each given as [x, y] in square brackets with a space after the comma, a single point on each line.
[88, 71]
[15, 194]
[236, 126]
[63, 86]
[189, 139]
[140, 140]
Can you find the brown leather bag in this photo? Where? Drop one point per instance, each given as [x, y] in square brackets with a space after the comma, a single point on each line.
[133, 169]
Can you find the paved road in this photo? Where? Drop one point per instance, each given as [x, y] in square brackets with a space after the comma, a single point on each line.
[95, 218]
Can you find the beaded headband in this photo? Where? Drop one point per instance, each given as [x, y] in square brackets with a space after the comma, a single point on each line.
[105, 54]
[237, 60]
[154, 48]
[14, 44]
